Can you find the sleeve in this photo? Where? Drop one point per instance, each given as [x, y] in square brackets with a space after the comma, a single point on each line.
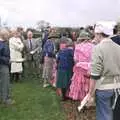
[17, 45]
[45, 49]
[96, 63]
[6, 55]
[76, 56]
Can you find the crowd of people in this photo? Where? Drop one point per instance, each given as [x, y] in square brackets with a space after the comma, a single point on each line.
[76, 66]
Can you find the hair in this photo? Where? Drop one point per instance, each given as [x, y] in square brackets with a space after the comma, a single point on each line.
[29, 32]
[3, 33]
[104, 35]
[81, 28]
[115, 30]
[69, 44]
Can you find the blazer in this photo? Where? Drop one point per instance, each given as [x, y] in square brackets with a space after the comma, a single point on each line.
[27, 49]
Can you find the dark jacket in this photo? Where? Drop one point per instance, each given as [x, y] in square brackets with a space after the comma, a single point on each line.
[49, 49]
[116, 39]
[65, 59]
[4, 53]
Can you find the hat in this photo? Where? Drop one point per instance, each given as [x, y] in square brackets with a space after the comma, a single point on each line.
[52, 35]
[84, 35]
[105, 27]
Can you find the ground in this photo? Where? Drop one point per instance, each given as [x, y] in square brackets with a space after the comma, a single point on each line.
[33, 102]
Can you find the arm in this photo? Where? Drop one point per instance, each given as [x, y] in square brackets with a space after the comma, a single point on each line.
[76, 56]
[17, 45]
[96, 68]
[5, 57]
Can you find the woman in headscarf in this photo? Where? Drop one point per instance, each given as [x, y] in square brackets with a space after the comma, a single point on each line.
[82, 57]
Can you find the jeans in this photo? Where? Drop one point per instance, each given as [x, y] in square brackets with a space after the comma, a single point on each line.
[104, 104]
[4, 83]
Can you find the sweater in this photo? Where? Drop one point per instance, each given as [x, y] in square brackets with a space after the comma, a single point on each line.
[105, 67]
[4, 53]
[65, 59]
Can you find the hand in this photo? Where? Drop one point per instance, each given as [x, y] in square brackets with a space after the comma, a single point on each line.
[32, 52]
[45, 58]
[90, 100]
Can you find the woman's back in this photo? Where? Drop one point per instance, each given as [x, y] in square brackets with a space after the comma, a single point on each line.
[83, 52]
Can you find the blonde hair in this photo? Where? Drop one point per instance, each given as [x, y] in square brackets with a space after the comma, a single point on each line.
[4, 33]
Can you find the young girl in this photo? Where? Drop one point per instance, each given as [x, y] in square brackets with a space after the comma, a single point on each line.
[65, 68]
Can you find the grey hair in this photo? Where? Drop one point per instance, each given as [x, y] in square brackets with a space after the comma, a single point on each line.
[3, 32]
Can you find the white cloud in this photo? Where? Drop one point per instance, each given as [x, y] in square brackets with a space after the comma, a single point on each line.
[60, 12]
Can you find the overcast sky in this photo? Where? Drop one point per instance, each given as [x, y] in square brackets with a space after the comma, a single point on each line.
[58, 12]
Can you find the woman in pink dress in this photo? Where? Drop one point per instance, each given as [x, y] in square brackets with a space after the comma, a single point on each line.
[82, 56]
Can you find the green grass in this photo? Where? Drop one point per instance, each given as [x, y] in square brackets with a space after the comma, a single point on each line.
[32, 103]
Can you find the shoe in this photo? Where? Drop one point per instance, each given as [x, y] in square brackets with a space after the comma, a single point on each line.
[45, 85]
[9, 102]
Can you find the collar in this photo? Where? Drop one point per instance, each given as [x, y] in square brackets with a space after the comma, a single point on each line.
[1, 39]
[105, 40]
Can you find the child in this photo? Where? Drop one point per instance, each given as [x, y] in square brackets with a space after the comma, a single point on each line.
[65, 68]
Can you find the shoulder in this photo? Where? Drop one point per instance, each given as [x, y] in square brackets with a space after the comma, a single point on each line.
[11, 39]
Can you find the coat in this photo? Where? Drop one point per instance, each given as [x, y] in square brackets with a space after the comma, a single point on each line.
[16, 48]
[27, 50]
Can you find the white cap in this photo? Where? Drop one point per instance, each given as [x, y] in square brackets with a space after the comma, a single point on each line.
[105, 27]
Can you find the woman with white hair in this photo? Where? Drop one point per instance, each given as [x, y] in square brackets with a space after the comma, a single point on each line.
[4, 68]
[16, 48]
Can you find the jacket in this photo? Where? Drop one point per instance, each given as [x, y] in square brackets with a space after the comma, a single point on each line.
[4, 53]
[105, 67]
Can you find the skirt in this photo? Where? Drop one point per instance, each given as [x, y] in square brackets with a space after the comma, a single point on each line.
[47, 68]
[80, 84]
[64, 78]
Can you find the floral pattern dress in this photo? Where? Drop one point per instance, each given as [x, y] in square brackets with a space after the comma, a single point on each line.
[80, 80]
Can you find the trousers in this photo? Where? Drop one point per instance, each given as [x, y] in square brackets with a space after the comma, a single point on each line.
[4, 83]
[104, 104]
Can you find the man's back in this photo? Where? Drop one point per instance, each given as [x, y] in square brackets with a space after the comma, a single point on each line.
[109, 55]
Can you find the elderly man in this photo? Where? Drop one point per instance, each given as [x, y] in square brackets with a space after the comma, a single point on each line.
[32, 51]
[4, 68]
[105, 72]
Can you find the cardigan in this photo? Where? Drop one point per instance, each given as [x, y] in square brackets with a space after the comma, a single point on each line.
[4, 53]
[105, 66]
[65, 59]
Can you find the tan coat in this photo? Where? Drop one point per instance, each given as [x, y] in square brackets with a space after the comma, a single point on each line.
[16, 48]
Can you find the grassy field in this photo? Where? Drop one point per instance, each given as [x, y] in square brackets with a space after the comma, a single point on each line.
[32, 102]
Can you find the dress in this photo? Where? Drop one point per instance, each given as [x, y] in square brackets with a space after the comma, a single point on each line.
[80, 80]
[65, 68]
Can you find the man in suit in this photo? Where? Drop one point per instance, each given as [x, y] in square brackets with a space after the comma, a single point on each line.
[31, 52]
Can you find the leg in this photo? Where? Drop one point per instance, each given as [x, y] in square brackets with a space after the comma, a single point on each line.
[64, 94]
[117, 110]
[104, 105]
[5, 84]
[12, 78]
[17, 77]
